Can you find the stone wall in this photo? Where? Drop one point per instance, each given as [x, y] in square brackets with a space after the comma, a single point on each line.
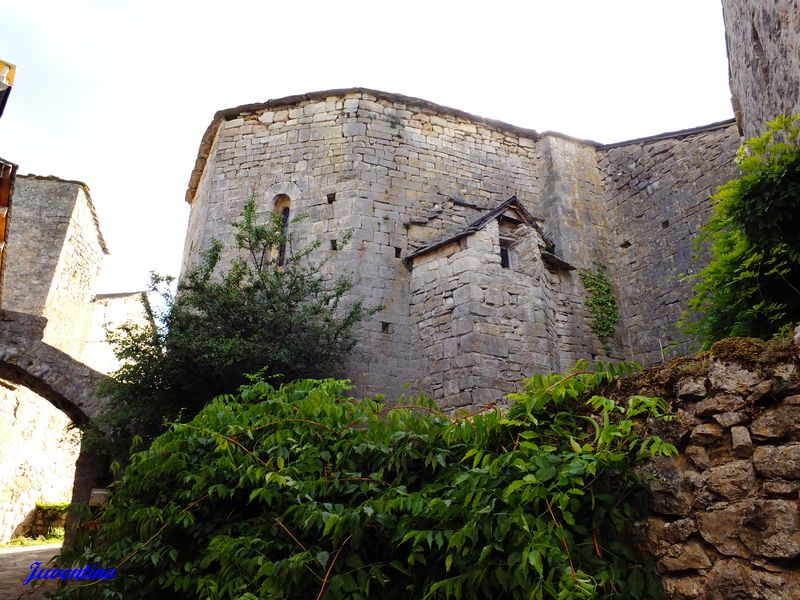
[53, 258]
[657, 201]
[403, 173]
[400, 172]
[481, 327]
[763, 39]
[726, 515]
[37, 456]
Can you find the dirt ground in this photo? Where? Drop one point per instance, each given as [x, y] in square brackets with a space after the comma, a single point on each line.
[15, 567]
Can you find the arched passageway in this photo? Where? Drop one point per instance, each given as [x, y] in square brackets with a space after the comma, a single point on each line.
[67, 384]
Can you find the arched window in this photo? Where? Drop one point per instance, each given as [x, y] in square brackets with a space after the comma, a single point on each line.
[283, 207]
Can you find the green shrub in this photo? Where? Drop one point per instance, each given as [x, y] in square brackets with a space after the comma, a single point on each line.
[301, 492]
[274, 310]
[751, 286]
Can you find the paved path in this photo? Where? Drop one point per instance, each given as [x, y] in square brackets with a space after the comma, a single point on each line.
[15, 567]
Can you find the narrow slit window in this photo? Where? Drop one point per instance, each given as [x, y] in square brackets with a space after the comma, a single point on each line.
[504, 258]
[331, 197]
[385, 327]
[284, 236]
[334, 245]
[397, 252]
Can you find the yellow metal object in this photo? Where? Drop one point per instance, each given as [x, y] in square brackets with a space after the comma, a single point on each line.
[7, 72]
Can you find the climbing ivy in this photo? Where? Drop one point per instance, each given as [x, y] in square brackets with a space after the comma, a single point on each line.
[602, 303]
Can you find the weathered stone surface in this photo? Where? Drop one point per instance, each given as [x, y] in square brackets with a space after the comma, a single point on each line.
[779, 422]
[760, 391]
[684, 557]
[741, 442]
[672, 485]
[676, 430]
[733, 481]
[37, 458]
[735, 580]
[773, 529]
[661, 535]
[732, 377]
[778, 461]
[684, 588]
[718, 404]
[406, 173]
[691, 388]
[766, 528]
[730, 419]
[67, 383]
[699, 456]
[721, 527]
[706, 433]
[780, 487]
[762, 39]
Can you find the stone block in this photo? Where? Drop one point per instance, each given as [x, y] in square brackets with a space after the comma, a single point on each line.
[729, 419]
[732, 377]
[706, 434]
[734, 480]
[684, 557]
[718, 404]
[778, 461]
[354, 128]
[741, 442]
[776, 423]
[691, 388]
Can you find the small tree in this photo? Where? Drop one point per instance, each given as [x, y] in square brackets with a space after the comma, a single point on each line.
[751, 286]
[275, 312]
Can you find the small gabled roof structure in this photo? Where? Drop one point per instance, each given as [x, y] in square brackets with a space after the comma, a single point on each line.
[511, 210]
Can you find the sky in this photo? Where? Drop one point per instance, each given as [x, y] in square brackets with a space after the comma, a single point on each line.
[118, 93]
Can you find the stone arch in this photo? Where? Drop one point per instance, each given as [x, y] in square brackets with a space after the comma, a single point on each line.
[285, 188]
[65, 382]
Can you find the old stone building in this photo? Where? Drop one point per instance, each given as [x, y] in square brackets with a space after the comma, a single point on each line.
[468, 231]
[478, 292]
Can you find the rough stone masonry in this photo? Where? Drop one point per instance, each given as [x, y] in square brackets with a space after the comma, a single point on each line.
[466, 320]
[726, 516]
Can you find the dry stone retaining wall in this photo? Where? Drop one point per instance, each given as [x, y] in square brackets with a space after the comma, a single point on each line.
[725, 522]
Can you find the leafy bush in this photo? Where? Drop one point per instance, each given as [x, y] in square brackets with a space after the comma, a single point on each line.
[273, 311]
[751, 286]
[301, 492]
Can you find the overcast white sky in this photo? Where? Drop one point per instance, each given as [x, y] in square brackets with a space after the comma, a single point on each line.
[118, 93]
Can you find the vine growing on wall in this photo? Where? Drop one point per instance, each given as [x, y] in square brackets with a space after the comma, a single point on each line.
[602, 303]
